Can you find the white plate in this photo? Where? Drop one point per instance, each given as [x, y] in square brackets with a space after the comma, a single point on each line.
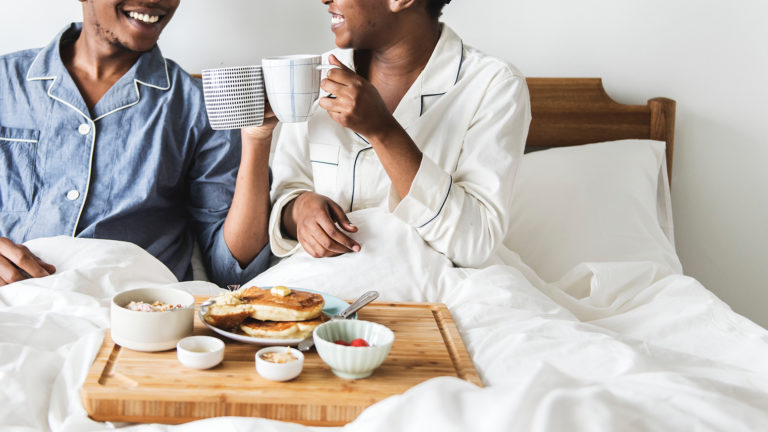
[333, 305]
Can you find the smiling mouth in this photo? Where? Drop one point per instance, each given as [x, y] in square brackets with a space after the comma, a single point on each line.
[337, 19]
[145, 17]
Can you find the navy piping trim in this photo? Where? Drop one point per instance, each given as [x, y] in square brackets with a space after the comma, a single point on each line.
[458, 72]
[450, 185]
[461, 63]
[325, 163]
[421, 107]
[354, 173]
[361, 137]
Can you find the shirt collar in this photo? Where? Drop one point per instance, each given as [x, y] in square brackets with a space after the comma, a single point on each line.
[439, 75]
[442, 70]
[150, 70]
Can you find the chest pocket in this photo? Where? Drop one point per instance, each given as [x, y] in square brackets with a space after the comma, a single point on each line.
[18, 150]
[325, 167]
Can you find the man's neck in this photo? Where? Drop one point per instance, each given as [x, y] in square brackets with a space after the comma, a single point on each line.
[98, 59]
[96, 64]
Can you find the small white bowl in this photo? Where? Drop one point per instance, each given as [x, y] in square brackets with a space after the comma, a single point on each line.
[151, 331]
[353, 362]
[279, 371]
[200, 352]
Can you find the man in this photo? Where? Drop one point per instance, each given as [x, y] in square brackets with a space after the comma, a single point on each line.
[102, 137]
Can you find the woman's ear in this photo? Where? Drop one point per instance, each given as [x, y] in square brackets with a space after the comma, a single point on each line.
[400, 5]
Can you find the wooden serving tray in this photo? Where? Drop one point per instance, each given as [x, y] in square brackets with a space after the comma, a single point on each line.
[130, 386]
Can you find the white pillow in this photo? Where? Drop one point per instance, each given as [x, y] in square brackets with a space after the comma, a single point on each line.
[602, 202]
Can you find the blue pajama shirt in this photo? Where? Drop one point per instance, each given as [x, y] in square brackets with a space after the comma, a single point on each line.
[142, 166]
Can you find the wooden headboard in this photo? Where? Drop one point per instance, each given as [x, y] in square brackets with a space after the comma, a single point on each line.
[573, 111]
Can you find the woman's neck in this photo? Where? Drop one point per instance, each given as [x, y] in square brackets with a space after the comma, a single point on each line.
[404, 56]
[394, 67]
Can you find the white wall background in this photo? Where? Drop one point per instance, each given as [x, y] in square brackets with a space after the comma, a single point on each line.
[709, 55]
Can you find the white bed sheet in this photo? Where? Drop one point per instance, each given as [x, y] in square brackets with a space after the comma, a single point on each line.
[612, 346]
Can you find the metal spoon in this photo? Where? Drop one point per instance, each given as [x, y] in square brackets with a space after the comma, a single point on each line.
[358, 304]
[207, 303]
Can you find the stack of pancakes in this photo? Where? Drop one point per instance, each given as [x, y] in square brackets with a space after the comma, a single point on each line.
[275, 314]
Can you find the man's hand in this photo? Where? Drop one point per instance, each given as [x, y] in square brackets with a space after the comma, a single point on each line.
[318, 220]
[263, 132]
[18, 263]
[357, 104]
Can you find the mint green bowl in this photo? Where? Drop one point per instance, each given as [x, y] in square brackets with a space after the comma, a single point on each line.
[353, 362]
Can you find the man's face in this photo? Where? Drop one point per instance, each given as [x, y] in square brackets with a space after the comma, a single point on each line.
[134, 25]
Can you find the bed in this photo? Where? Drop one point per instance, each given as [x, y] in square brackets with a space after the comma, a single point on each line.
[587, 323]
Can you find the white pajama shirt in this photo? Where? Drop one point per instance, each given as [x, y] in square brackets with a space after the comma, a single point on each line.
[469, 115]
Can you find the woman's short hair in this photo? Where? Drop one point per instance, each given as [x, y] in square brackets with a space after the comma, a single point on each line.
[435, 7]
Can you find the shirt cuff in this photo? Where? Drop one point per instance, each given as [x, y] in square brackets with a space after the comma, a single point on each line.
[281, 245]
[226, 270]
[426, 198]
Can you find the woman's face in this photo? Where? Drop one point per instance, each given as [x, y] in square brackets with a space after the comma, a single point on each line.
[134, 25]
[359, 24]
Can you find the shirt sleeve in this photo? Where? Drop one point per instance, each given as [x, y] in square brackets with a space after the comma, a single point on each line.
[293, 176]
[464, 214]
[211, 188]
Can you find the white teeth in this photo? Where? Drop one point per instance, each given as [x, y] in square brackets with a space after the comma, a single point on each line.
[149, 19]
[337, 19]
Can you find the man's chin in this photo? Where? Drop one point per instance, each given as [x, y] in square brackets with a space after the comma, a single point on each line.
[124, 41]
[136, 46]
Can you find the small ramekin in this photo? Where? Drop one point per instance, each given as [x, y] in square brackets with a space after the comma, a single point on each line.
[200, 352]
[279, 371]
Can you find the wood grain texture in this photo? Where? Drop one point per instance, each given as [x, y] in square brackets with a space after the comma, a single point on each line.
[575, 111]
[129, 386]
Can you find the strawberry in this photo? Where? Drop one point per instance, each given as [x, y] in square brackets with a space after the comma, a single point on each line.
[359, 343]
[341, 342]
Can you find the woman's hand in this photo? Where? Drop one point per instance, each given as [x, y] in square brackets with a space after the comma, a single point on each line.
[263, 132]
[357, 104]
[18, 263]
[318, 220]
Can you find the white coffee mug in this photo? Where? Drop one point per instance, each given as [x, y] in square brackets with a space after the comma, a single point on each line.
[234, 96]
[293, 85]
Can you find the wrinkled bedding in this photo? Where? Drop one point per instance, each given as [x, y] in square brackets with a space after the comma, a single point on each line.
[610, 346]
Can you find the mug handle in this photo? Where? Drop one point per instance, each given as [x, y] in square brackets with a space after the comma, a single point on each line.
[322, 67]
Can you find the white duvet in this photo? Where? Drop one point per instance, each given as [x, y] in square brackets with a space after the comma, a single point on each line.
[612, 346]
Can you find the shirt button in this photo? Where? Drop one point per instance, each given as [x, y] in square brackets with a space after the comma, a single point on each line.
[84, 129]
[73, 195]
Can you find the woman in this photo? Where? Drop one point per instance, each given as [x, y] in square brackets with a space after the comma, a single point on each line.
[417, 123]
